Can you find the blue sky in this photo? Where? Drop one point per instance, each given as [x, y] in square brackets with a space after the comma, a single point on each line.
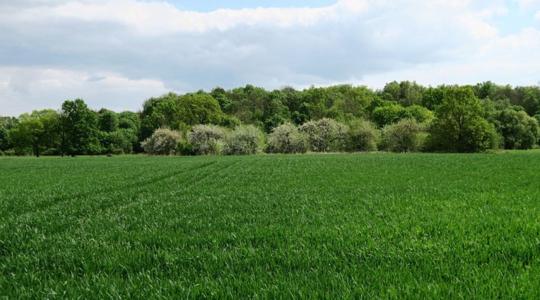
[209, 5]
[118, 53]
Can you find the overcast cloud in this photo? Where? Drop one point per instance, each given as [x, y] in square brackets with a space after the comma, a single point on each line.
[118, 53]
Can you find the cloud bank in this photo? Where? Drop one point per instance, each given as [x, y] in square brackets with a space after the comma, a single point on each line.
[117, 53]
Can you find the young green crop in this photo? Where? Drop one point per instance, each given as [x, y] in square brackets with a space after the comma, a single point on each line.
[271, 226]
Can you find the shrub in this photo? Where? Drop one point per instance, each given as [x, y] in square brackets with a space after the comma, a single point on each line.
[206, 139]
[184, 148]
[364, 136]
[162, 142]
[405, 136]
[246, 139]
[286, 138]
[325, 135]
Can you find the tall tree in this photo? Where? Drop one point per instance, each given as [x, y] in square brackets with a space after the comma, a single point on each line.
[36, 132]
[518, 130]
[79, 128]
[6, 123]
[459, 125]
[107, 120]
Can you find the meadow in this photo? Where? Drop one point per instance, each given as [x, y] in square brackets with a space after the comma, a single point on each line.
[271, 226]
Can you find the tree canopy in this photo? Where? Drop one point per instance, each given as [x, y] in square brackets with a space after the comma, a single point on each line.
[456, 118]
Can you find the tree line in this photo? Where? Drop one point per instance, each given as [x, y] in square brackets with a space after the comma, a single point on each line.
[403, 116]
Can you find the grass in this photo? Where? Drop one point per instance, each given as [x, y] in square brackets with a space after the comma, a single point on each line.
[327, 226]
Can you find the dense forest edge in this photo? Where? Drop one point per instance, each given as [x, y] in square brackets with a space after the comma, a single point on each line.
[401, 117]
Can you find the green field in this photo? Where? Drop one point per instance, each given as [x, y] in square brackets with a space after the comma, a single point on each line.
[332, 226]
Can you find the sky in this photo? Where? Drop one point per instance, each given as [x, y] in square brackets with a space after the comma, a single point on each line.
[118, 53]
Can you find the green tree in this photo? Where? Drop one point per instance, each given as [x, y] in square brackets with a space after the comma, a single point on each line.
[388, 113]
[179, 112]
[349, 102]
[406, 92]
[433, 97]
[199, 108]
[108, 121]
[518, 130]
[36, 133]
[26, 136]
[79, 129]
[459, 125]
[528, 98]
[419, 113]
[6, 123]
[157, 113]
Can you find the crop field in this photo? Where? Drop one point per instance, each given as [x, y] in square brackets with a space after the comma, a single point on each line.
[271, 226]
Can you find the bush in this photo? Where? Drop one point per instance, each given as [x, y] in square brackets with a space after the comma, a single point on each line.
[184, 148]
[364, 136]
[206, 139]
[405, 136]
[244, 140]
[162, 142]
[286, 138]
[325, 135]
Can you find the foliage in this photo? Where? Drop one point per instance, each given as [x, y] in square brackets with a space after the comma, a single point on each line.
[108, 121]
[35, 133]
[286, 138]
[207, 139]
[177, 112]
[364, 136]
[246, 139]
[6, 123]
[419, 113]
[405, 136]
[472, 116]
[388, 114]
[162, 142]
[120, 141]
[406, 93]
[79, 129]
[325, 135]
[459, 125]
[518, 130]
[199, 108]
[528, 98]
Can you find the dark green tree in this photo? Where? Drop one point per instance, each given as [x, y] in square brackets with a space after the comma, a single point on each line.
[79, 129]
[459, 125]
[518, 130]
[6, 123]
[199, 108]
[107, 120]
[37, 132]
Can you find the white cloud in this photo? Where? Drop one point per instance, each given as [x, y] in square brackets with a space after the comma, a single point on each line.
[107, 49]
[528, 3]
[26, 89]
[510, 59]
[164, 18]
